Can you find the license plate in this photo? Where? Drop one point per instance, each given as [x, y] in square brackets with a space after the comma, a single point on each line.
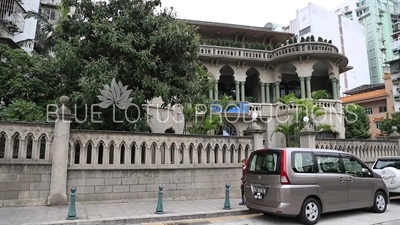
[259, 191]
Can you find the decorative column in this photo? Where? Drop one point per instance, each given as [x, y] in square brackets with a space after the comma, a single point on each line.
[302, 88]
[308, 86]
[262, 92]
[334, 88]
[277, 90]
[210, 94]
[242, 91]
[237, 83]
[256, 132]
[59, 164]
[395, 136]
[268, 97]
[216, 91]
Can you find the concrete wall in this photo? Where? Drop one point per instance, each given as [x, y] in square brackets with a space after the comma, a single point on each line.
[122, 185]
[24, 184]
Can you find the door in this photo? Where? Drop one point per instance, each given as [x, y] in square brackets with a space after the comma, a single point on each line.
[263, 181]
[359, 183]
[332, 183]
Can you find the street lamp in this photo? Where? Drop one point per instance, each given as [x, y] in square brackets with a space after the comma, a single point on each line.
[306, 119]
[254, 116]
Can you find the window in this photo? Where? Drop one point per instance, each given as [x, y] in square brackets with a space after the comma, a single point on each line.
[371, 53]
[302, 162]
[305, 31]
[382, 109]
[378, 125]
[383, 163]
[329, 164]
[347, 8]
[372, 62]
[355, 168]
[368, 111]
[266, 162]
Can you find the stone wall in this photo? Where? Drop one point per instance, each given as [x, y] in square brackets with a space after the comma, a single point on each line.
[24, 184]
[139, 185]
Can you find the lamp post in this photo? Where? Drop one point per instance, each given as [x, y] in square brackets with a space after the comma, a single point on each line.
[254, 116]
[306, 120]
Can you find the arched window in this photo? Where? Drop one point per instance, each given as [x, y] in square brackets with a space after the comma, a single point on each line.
[227, 129]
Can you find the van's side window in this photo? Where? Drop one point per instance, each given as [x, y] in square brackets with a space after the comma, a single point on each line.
[328, 164]
[302, 162]
[354, 168]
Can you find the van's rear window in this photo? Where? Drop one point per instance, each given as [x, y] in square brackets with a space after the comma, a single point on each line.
[267, 162]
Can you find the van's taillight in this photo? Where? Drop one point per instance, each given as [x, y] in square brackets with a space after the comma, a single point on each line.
[284, 176]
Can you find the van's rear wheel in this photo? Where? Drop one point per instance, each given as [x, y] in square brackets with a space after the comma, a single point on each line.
[310, 212]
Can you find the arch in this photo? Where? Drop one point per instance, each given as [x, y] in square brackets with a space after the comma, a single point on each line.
[170, 131]
[133, 150]
[252, 85]
[290, 81]
[172, 150]
[143, 155]
[100, 152]
[29, 145]
[77, 151]
[320, 79]
[226, 82]
[111, 152]
[163, 148]
[199, 153]
[3, 138]
[227, 129]
[89, 151]
[15, 138]
[191, 152]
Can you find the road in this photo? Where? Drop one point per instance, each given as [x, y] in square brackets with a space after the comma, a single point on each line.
[365, 217]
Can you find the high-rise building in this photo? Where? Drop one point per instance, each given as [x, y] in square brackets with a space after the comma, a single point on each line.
[30, 26]
[345, 33]
[381, 21]
[11, 20]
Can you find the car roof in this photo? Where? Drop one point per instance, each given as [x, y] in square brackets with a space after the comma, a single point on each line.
[307, 149]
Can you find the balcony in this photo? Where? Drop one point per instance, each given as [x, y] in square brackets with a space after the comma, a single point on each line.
[12, 16]
[265, 55]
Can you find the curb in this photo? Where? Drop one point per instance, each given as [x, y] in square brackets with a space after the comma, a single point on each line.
[148, 219]
[392, 222]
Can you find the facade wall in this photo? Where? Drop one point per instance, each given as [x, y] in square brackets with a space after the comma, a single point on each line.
[24, 184]
[183, 184]
[351, 43]
[30, 24]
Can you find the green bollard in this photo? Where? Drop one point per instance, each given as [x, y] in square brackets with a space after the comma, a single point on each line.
[227, 204]
[159, 209]
[72, 210]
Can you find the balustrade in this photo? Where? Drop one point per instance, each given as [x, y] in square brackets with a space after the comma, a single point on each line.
[228, 52]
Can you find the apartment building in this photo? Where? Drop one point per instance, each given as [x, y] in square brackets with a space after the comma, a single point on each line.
[377, 99]
[394, 67]
[29, 32]
[345, 33]
[381, 22]
[12, 20]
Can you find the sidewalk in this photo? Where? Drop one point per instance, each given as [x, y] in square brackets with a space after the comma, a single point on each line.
[119, 213]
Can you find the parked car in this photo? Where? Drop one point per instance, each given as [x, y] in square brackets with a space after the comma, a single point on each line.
[308, 182]
[389, 168]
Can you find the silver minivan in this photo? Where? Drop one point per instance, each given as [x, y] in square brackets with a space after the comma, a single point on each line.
[308, 182]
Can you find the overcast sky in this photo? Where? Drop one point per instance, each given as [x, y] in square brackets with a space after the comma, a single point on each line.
[245, 12]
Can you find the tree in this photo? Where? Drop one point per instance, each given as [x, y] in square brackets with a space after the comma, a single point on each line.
[146, 49]
[27, 77]
[21, 110]
[356, 122]
[388, 123]
[294, 122]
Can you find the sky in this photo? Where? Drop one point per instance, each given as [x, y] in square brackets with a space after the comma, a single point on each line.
[245, 12]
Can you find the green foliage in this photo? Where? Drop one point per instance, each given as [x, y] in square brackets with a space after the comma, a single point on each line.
[250, 99]
[321, 94]
[320, 39]
[388, 123]
[330, 41]
[294, 124]
[27, 77]
[203, 121]
[307, 38]
[356, 122]
[21, 110]
[302, 39]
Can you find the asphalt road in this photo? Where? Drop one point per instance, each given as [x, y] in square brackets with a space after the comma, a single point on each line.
[364, 217]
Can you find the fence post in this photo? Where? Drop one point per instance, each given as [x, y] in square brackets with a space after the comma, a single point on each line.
[307, 135]
[255, 131]
[396, 136]
[59, 162]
